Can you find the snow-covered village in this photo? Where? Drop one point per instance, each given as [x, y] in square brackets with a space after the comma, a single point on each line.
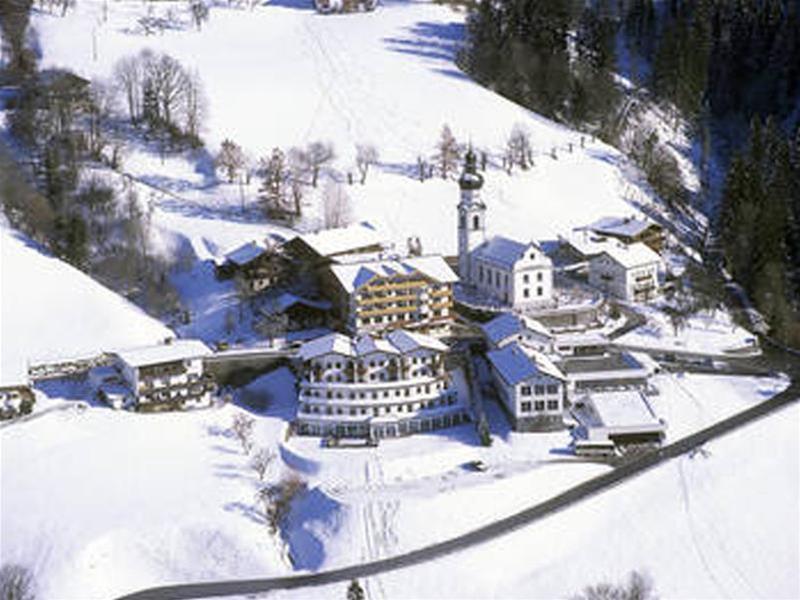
[399, 299]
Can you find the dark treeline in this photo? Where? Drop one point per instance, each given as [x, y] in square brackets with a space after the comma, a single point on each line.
[729, 68]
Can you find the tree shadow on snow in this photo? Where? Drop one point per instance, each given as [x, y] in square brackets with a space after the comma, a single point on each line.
[305, 548]
[433, 41]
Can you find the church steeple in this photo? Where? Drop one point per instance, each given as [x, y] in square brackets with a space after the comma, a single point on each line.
[470, 178]
[471, 214]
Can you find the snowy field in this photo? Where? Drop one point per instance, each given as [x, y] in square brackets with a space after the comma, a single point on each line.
[172, 497]
[711, 333]
[51, 310]
[724, 525]
[282, 75]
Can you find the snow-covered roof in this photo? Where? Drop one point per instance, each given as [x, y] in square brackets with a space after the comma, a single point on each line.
[366, 344]
[508, 324]
[354, 275]
[333, 343]
[245, 253]
[515, 365]
[163, 353]
[342, 240]
[581, 338]
[408, 341]
[586, 242]
[286, 300]
[633, 255]
[398, 341]
[627, 408]
[504, 251]
[622, 226]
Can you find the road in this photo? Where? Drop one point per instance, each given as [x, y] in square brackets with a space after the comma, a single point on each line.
[626, 470]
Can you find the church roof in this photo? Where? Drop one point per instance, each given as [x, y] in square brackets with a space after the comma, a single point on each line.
[503, 251]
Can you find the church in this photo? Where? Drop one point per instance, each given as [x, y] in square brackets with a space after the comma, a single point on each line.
[517, 274]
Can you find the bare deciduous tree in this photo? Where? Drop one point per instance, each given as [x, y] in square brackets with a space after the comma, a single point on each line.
[519, 147]
[261, 461]
[638, 587]
[199, 11]
[336, 206]
[319, 154]
[16, 583]
[276, 500]
[230, 159]
[128, 75]
[242, 429]
[366, 156]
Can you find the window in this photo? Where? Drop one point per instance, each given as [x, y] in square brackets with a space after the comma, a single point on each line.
[526, 293]
[525, 278]
[539, 276]
[538, 291]
[480, 273]
[525, 390]
[497, 278]
[462, 221]
[525, 407]
[476, 222]
[539, 405]
[538, 389]
[552, 389]
[505, 279]
[533, 256]
[552, 405]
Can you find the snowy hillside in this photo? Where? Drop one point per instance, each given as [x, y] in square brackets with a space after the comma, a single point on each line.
[50, 310]
[721, 525]
[282, 75]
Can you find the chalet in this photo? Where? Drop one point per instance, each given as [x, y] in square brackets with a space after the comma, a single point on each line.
[336, 245]
[376, 387]
[626, 272]
[622, 418]
[168, 375]
[411, 293]
[301, 312]
[629, 230]
[530, 386]
[258, 265]
[509, 328]
[517, 274]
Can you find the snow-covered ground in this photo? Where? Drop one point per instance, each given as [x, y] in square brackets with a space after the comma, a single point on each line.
[172, 498]
[724, 524]
[98, 503]
[282, 75]
[50, 310]
[712, 333]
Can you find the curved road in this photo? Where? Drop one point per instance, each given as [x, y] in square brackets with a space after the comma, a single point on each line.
[525, 517]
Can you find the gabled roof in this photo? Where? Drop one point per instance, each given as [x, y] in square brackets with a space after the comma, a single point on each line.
[633, 255]
[354, 275]
[622, 226]
[505, 252]
[245, 253]
[509, 324]
[515, 365]
[408, 341]
[342, 240]
[333, 343]
[286, 300]
[366, 344]
[163, 353]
